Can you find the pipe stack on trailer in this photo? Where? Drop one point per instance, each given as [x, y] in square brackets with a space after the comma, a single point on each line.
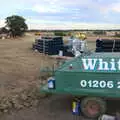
[108, 45]
[52, 46]
[49, 45]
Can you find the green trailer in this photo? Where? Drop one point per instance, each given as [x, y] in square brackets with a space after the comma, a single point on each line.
[94, 77]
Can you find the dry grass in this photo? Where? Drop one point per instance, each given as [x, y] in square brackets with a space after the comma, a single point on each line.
[19, 65]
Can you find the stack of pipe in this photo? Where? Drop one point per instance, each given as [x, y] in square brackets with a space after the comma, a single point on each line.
[49, 45]
[108, 45]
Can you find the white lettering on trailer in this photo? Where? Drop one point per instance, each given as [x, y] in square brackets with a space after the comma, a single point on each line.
[103, 65]
[98, 84]
[112, 64]
[91, 64]
[118, 64]
[118, 85]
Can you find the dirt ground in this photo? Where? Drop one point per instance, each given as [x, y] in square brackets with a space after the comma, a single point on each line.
[19, 69]
[19, 65]
[55, 108]
[52, 108]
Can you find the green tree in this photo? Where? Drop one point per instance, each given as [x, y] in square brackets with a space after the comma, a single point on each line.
[16, 25]
[57, 33]
[4, 30]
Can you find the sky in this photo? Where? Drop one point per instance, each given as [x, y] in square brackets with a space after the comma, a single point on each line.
[64, 14]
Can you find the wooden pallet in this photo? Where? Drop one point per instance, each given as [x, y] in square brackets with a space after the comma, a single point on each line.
[61, 57]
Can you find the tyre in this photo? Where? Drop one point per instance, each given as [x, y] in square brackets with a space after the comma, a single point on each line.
[93, 107]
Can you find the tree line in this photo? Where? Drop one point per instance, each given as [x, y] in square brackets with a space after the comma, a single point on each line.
[16, 26]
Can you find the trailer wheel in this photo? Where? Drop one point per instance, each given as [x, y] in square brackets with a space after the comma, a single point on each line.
[93, 107]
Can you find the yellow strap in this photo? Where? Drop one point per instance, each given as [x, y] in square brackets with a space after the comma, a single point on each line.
[74, 105]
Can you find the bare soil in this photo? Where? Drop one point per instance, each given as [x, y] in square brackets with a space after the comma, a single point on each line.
[19, 65]
[55, 107]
